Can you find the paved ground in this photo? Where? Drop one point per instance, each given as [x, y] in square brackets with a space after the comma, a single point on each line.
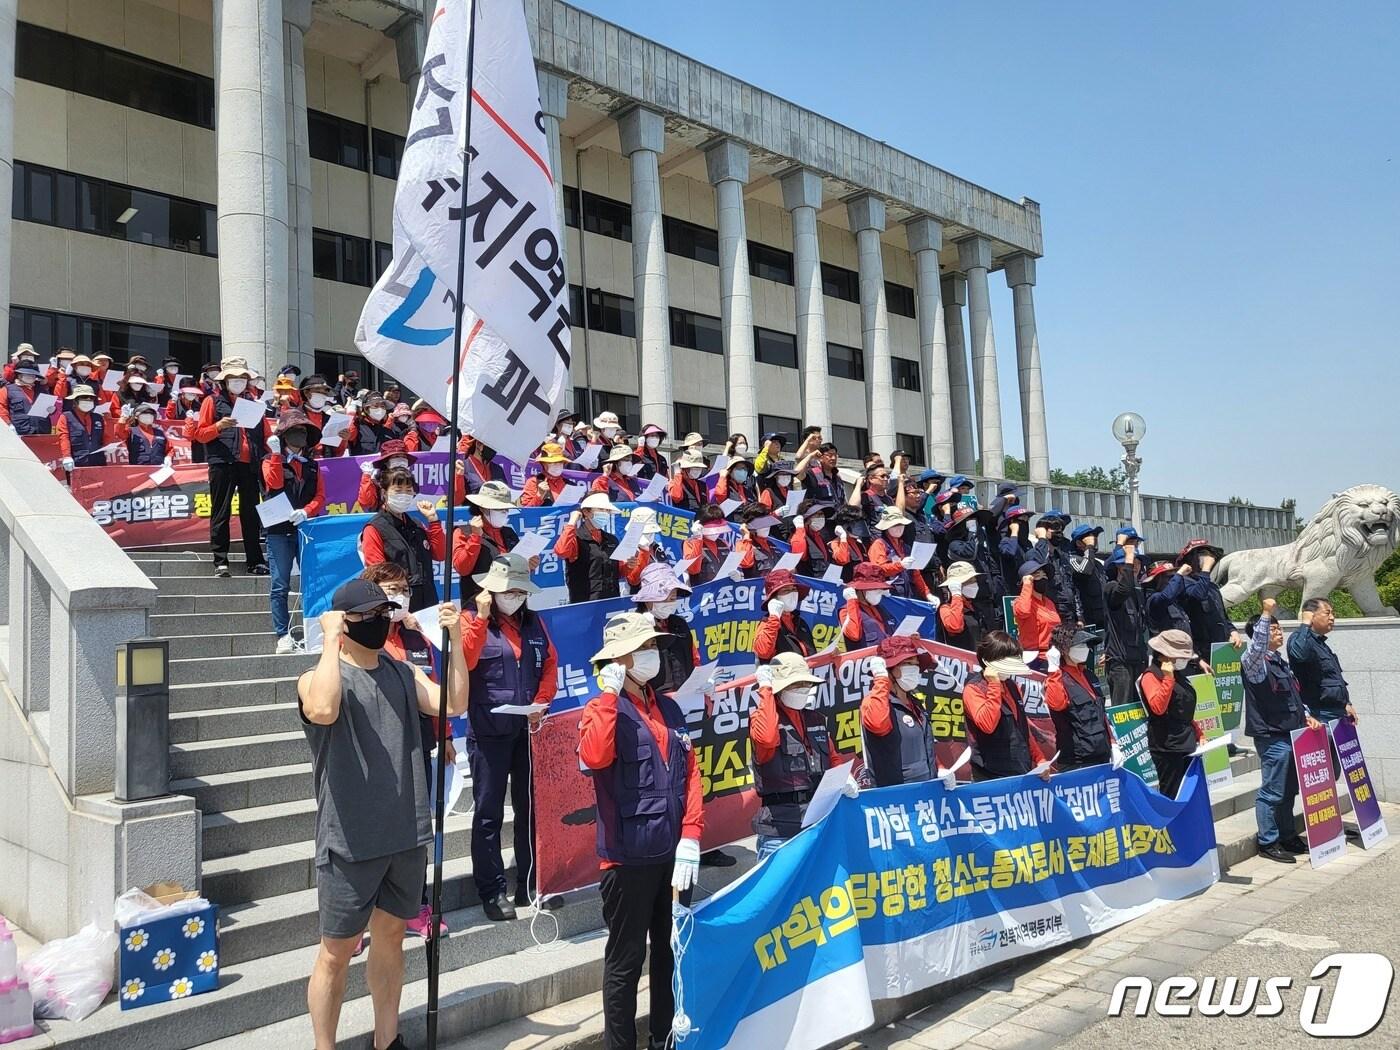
[1262, 919]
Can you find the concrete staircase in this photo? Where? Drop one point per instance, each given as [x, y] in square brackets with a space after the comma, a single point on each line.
[237, 747]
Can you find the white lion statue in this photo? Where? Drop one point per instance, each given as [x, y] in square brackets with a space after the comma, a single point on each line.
[1342, 546]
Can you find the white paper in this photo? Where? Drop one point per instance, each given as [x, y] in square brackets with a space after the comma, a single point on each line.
[690, 694]
[335, 426]
[949, 776]
[248, 414]
[443, 443]
[631, 538]
[1211, 745]
[111, 379]
[850, 477]
[1044, 766]
[788, 561]
[921, 552]
[571, 494]
[684, 566]
[102, 409]
[520, 709]
[832, 574]
[794, 500]
[165, 473]
[909, 625]
[829, 792]
[531, 543]
[721, 461]
[428, 625]
[276, 510]
[43, 405]
[456, 778]
[730, 566]
[588, 458]
[727, 507]
[1030, 656]
[656, 488]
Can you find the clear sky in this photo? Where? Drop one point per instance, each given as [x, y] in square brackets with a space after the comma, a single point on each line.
[1220, 193]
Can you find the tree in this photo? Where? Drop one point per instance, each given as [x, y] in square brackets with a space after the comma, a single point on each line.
[1111, 480]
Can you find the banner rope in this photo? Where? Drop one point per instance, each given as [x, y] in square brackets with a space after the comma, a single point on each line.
[682, 926]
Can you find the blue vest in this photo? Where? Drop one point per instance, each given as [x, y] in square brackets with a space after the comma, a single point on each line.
[1006, 750]
[20, 404]
[899, 585]
[501, 678]
[144, 451]
[905, 754]
[641, 796]
[785, 782]
[1276, 704]
[85, 446]
[874, 625]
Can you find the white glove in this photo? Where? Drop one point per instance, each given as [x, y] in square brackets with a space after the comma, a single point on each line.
[297, 516]
[840, 534]
[907, 561]
[775, 607]
[696, 528]
[736, 576]
[850, 788]
[611, 677]
[68, 463]
[1053, 658]
[126, 411]
[274, 444]
[367, 468]
[1117, 756]
[764, 675]
[949, 779]
[352, 408]
[797, 521]
[687, 866]
[849, 593]
[877, 666]
[190, 413]
[934, 600]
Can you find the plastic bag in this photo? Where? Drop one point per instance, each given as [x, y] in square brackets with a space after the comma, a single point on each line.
[70, 977]
[135, 906]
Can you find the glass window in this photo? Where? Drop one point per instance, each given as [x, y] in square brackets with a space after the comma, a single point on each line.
[340, 257]
[904, 374]
[772, 264]
[845, 362]
[605, 216]
[337, 140]
[899, 299]
[575, 307]
[48, 330]
[627, 408]
[610, 312]
[697, 331]
[388, 153]
[383, 258]
[914, 445]
[850, 442]
[147, 219]
[690, 241]
[712, 423]
[785, 425]
[840, 283]
[775, 348]
[571, 206]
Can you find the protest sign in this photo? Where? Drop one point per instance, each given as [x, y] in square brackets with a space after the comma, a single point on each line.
[1128, 723]
[136, 512]
[1229, 683]
[907, 887]
[1217, 761]
[48, 450]
[1317, 784]
[1364, 804]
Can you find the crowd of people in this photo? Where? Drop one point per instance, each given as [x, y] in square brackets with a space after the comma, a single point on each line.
[1106, 621]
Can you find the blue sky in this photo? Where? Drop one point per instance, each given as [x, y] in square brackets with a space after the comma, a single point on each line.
[1220, 192]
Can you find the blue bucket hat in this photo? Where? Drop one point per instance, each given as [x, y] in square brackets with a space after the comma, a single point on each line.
[1128, 531]
[931, 475]
[1030, 568]
[958, 479]
[1080, 531]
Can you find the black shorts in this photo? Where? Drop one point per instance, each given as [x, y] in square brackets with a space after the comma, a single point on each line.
[348, 891]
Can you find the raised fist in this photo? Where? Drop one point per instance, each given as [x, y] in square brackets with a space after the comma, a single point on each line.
[877, 666]
[764, 676]
[611, 677]
[849, 593]
[775, 607]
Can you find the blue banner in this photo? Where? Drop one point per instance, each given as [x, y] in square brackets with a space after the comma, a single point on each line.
[905, 887]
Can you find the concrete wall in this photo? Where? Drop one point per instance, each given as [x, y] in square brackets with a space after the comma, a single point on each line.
[1369, 651]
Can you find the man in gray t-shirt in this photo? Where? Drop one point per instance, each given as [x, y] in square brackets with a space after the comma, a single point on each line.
[359, 709]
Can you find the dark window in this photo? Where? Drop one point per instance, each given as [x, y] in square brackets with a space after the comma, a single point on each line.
[775, 348]
[337, 140]
[904, 373]
[571, 206]
[840, 283]
[690, 241]
[575, 306]
[383, 258]
[697, 331]
[605, 216]
[772, 264]
[49, 329]
[914, 445]
[626, 407]
[845, 362]
[90, 205]
[340, 257]
[711, 423]
[610, 312]
[785, 425]
[74, 64]
[387, 149]
[899, 299]
[333, 366]
[850, 442]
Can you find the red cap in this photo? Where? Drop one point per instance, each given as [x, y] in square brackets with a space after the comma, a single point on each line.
[900, 648]
[392, 447]
[868, 577]
[781, 579]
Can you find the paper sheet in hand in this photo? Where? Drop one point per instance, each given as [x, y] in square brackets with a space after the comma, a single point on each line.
[949, 776]
[111, 380]
[1043, 766]
[588, 458]
[570, 495]
[828, 793]
[794, 500]
[456, 778]
[43, 405]
[850, 477]
[627, 546]
[531, 543]
[248, 414]
[428, 625]
[909, 625]
[1210, 745]
[921, 553]
[690, 696]
[102, 409]
[335, 426]
[656, 488]
[520, 709]
[832, 574]
[730, 566]
[443, 442]
[272, 511]
[721, 461]
[788, 561]
[728, 506]
[165, 473]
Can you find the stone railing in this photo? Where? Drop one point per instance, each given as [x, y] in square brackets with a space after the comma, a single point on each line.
[70, 596]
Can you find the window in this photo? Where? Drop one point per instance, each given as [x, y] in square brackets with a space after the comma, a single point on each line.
[610, 312]
[590, 404]
[845, 362]
[49, 329]
[840, 283]
[772, 264]
[571, 206]
[697, 331]
[712, 423]
[337, 140]
[387, 151]
[73, 64]
[690, 241]
[914, 445]
[850, 442]
[904, 374]
[91, 205]
[340, 257]
[899, 299]
[775, 348]
[383, 258]
[605, 216]
[333, 365]
[575, 306]
[784, 425]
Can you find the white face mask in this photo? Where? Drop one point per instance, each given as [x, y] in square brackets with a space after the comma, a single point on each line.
[908, 677]
[609, 433]
[790, 602]
[509, 603]
[970, 590]
[646, 665]
[136, 384]
[237, 386]
[895, 531]
[377, 414]
[714, 532]
[784, 480]
[400, 609]
[629, 469]
[146, 419]
[741, 448]
[498, 517]
[398, 461]
[554, 470]
[85, 405]
[695, 473]
[400, 502]
[316, 401]
[1180, 665]
[83, 371]
[875, 597]
[816, 524]
[565, 429]
[661, 610]
[653, 442]
[600, 519]
[798, 697]
[1078, 654]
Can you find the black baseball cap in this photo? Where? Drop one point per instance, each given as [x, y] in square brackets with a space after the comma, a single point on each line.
[358, 596]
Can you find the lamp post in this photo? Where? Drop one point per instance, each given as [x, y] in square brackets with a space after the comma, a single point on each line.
[1129, 429]
[143, 719]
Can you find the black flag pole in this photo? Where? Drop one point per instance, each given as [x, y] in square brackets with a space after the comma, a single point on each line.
[439, 837]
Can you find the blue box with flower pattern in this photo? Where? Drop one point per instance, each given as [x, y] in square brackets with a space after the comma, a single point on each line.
[168, 959]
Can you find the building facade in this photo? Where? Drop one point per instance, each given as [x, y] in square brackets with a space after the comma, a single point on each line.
[737, 263]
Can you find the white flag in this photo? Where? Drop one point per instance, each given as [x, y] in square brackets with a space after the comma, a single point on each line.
[514, 359]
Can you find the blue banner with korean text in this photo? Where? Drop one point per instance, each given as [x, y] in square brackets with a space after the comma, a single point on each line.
[906, 887]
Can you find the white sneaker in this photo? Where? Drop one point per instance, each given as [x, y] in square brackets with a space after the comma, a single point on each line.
[287, 645]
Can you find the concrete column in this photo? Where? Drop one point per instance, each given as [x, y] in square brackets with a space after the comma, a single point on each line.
[727, 163]
[975, 258]
[251, 157]
[7, 149]
[643, 139]
[554, 106]
[925, 241]
[301, 289]
[867, 218]
[802, 196]
[409, 39]
[1020, 277]
[954, 298]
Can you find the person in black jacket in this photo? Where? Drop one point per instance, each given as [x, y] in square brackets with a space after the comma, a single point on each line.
[968, 541]
[1088, 573]
[1204, 605]
[586, 545]
[1053, 551]
[1014, 547]
[234, 454]
[1125, 650]
[663, 595]
[394, 535]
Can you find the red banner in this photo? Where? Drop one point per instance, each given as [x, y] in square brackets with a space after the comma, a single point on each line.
[47, 450]
[136, 512]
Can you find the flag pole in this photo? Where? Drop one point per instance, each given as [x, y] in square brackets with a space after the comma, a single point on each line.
[439, 837]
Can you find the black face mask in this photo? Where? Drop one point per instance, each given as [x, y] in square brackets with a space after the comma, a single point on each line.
[372, 633]
[1042, 585]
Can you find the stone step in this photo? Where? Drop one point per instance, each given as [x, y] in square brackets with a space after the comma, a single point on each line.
[221, 723]
[173, 625]
[239, 668]
[208, 583]
[182, 553]
[201, 757]
[211, 601]
[201, 696]
[203, 566]
[211, 646]
[247, 788]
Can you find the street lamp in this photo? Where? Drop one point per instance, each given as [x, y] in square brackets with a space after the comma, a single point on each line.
[143, 719]
[1129, 429]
